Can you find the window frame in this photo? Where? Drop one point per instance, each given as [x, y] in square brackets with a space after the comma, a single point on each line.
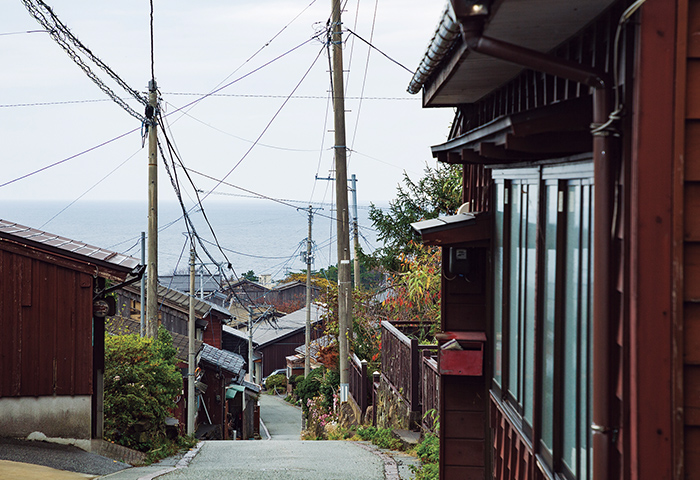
[565, 178]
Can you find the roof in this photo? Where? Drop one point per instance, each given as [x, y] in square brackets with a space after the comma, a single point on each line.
[10, 231]
[274, 330]
[316, 345]
[181, 282]
[237, 333]
[229, 361]
[181, 301]
[465, 76]
[124, 326]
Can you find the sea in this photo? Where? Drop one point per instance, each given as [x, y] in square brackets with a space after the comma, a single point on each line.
[265, 237]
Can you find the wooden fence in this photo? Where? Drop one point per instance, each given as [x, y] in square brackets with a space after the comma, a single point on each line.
[430, 390]
[411, 369]
[360, 383]
[400, 357]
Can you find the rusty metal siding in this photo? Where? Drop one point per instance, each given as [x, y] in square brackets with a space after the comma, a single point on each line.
[47, 328]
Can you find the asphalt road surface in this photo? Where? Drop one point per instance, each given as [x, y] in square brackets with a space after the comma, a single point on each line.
[284, 456]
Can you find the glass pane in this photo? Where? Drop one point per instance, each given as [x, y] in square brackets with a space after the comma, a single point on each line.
[514, 375]
[528, 288]
[572, 352]
[549, 294]
[585, 446]
[498, 285]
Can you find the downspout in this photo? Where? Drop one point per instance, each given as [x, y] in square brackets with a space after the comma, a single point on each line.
[472, 28]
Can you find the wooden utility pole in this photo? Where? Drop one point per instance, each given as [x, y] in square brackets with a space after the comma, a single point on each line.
[152, 268]
[142, 308]
[355, 233]
[341, 195]
[251, 364]
[191, 353]
[307, 339]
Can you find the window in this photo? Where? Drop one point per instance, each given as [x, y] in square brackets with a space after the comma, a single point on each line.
[542, 308]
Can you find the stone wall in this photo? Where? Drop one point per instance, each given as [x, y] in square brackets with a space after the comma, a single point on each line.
[392, 410]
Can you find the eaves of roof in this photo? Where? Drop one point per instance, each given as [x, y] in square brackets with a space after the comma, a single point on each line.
[450, 74]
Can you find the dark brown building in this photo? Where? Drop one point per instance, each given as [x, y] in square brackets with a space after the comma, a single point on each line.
[52, 341]
[577, 265]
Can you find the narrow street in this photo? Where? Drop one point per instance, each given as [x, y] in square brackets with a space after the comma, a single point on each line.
[281, 455]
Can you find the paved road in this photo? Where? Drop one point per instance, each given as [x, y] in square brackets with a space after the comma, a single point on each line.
[61, 457]
[284, 456]
[282, 420]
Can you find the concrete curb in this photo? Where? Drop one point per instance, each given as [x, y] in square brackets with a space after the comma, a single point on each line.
[391, 468]
[182, 463]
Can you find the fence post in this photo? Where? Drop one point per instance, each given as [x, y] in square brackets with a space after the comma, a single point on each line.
[375, 386]
[415, 375]
[363, 386]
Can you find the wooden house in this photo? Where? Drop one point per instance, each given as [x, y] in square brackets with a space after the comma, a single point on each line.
[572, 274]
[52, 309]
[277, 338]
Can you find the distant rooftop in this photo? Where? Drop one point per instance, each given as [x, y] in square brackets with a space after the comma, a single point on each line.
[272, 330]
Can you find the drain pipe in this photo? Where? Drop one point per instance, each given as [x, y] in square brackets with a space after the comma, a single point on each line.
[603, 165]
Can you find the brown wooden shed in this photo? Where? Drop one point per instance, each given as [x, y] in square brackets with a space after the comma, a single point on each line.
[51, 344]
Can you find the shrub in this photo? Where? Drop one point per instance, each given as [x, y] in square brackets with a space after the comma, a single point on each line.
[141, 382]
[381, 437]
[276, 383]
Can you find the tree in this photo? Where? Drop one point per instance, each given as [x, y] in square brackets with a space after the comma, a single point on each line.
[439, 192]
[141, 382]
[250, 275]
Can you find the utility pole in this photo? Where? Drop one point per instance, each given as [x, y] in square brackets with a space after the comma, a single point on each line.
[341, 192]
[191, 353]
[152, 268]
[251, 365]
[307, 339]
[143, 286]
[356, 233]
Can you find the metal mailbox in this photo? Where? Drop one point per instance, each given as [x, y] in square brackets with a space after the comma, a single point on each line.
[461, 353]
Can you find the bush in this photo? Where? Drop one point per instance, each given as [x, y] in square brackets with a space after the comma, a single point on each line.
[141, 382]
[381, 437]
[276, 383]
[428, 452]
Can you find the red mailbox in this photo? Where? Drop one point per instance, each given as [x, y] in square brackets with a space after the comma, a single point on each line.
[461, 353]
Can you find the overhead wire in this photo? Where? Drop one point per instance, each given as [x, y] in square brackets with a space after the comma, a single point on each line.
[62, 35]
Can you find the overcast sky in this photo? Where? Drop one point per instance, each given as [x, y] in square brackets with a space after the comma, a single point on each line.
[50, 111]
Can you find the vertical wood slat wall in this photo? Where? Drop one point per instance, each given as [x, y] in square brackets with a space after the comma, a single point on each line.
[46, 324]
[691, 245]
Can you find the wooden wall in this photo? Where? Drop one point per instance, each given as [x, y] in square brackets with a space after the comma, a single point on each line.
[688, 205]
[46, 325]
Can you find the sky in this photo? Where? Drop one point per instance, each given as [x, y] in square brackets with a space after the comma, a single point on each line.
[252, 133]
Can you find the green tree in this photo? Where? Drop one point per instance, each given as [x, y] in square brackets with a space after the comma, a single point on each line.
[439, 192]
[141, 382]
[250, 275]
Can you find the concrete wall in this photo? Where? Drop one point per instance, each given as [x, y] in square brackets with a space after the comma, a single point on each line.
[67, 417]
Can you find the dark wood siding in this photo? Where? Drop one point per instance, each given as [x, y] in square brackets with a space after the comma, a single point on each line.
[689, 331]
[46, 320]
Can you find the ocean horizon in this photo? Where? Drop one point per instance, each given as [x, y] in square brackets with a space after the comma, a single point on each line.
[263, 236]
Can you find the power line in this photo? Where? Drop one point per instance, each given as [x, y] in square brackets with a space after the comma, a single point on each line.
[387, 56]
[66, 40]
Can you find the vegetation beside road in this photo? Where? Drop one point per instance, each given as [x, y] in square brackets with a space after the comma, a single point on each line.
[141, 383]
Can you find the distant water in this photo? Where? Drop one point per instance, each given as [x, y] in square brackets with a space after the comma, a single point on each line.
[265, 237]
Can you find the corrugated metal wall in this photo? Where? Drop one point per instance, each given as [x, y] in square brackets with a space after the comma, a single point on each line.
[46, 325]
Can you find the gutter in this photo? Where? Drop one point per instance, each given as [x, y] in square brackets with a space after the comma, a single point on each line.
[445, 36]
[603, 433]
